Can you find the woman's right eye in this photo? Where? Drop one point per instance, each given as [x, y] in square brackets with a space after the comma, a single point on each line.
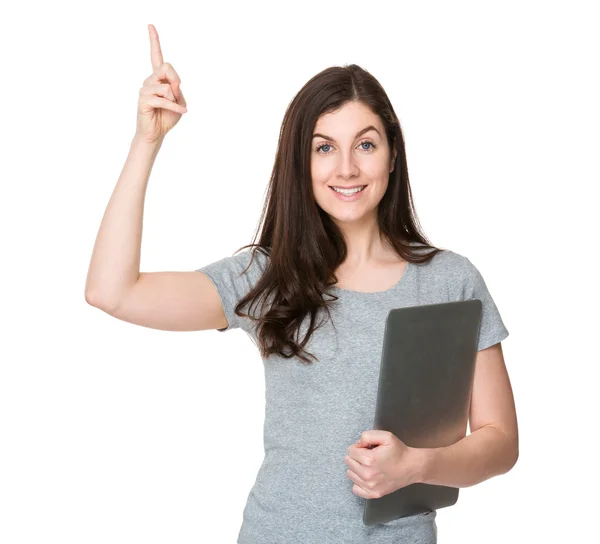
[321, 146]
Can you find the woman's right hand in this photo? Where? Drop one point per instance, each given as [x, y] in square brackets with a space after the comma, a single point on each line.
[160, 105]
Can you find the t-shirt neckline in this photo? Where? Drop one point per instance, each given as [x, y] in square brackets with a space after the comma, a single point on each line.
[397, 285]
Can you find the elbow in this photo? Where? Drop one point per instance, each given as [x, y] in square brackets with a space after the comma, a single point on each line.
[509, 445]
[98, 301]
[91, 298]
[515, 456]
[512, 455]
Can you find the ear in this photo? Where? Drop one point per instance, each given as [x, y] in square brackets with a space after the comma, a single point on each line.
[393, 161]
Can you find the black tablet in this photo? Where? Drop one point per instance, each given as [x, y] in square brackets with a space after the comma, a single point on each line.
[425, 381]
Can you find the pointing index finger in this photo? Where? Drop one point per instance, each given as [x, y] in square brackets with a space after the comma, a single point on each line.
[155, 51]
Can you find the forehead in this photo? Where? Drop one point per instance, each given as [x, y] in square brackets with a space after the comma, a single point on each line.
[349, 119]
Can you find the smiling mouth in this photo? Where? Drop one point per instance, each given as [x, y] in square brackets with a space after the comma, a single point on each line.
[344, 190]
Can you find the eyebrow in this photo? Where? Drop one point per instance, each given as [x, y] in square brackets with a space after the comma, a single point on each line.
[359, 133]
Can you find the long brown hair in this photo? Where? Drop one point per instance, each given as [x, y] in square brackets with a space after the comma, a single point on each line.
[303, 243]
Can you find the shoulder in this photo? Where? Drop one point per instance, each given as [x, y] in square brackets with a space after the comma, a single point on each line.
[258, 260]
[244, 257]
[461, 277]
[245, 266]
[446, 262]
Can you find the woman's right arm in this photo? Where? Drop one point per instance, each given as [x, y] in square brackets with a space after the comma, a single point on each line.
[176, 301]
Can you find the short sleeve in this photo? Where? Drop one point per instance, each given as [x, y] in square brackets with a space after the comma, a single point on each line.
[232, 283]
[492, 328]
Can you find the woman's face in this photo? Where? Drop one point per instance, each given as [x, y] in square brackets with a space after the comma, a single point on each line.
[345, 155]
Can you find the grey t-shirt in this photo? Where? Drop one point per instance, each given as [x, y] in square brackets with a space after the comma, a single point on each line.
[313, 413]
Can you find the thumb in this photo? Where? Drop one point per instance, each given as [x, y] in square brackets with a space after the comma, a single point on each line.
[176, 91]
[372, 438]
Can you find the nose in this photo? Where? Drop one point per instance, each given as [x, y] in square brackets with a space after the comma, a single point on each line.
[347, 166]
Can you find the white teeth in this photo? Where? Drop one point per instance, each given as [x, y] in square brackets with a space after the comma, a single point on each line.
[348, 192]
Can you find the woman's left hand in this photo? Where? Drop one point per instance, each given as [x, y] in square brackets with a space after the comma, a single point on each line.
[385, 468]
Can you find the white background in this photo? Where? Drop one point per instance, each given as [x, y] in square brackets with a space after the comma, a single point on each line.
[111, 432]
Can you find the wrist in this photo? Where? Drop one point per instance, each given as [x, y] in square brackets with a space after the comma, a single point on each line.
[422, 459]
[140, 141]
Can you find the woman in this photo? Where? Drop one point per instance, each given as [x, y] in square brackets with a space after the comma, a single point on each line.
[339, 247]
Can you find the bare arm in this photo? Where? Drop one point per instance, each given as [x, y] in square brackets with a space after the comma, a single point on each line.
[174, 301]
[115, 262]
[481, 455]
[492, 448]
[161, 300]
